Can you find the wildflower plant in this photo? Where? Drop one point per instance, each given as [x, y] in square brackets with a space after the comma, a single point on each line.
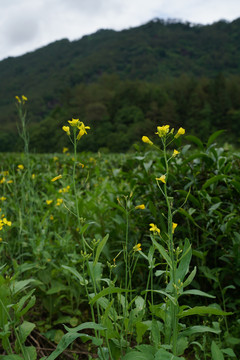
[177, 261]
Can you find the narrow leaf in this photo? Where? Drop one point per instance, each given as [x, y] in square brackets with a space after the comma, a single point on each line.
[163, 252]
[107, 291]
[202, 310]
[213, 180]
[214, 136]
[100, 248]
[197, 292]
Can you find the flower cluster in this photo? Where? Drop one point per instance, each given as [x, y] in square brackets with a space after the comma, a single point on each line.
[4, 222]
[137, 247]
[75, 123]
[162, 132]
[22, 100]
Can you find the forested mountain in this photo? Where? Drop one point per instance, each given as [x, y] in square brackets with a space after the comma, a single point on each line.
[125, 83]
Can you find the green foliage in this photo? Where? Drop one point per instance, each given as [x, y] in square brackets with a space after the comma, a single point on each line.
[168, 72]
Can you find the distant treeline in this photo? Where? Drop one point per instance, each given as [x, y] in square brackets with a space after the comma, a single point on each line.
[121, 112]
[124, 83]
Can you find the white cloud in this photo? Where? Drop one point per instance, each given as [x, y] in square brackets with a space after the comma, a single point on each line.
[29, 24]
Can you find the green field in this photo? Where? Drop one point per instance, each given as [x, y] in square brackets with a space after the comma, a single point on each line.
[121, 256]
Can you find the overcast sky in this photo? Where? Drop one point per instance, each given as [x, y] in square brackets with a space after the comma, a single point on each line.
[26, 25]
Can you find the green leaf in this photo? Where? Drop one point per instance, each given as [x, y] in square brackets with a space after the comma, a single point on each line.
[236, 184]
[17, 286]
[199, 329]
[163, 252]
[163, 293]
[136, 355]
[163, 354]
[30, 352]
[107, 291]
[24, 330]
[214, 136]
[100, 248]
[86, 325]
[216, 352]
[66, 340]
[141, 328]
[202, 310]
[190, 277]
[213, 180]
[76, 273]
[195, 140]
[197, 292]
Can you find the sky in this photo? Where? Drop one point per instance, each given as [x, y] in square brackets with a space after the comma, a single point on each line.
[27, 25]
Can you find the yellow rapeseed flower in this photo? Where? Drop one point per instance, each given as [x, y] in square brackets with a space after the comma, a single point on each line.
[48, 202]
[175, 152]
[146, 140]
[65, 149]
[154, 228]
[74, 122]
[174, 225]
[51, 217]
[82, 129]
[162, 179]
[59, 202]
[180, 132]
[33, 176]
[10, 181]
[2, 180]
[137, 247]
[162, 130]
[67, 130]
[20, 167]
[6, 222]
[24, 98]
[141, 207]
[3, 198]
[18, 99]
[57, 178]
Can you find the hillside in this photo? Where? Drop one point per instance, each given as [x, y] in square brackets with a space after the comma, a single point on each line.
[152, 53]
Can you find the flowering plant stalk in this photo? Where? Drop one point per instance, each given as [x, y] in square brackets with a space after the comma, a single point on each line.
[177, 261]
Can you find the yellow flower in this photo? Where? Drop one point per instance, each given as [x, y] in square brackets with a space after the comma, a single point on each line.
[174, 225]
[59, 202]
[55, 158]
[48, 202]
[33, 176]
[51, 217]
[10, 181]
[142, 207]
[18, 99]
[67, 130]
[180, 132]
[8, 223]
[154, 228]
[82, 129]
[162, 130]
[175, 152]
[3, 198]
[146, 140]
[20, 167]
[65, 149]
[162, 179]
[137, 247]
[24, 98]
[2, 180]
[73, 122]
[0, 239]
[57, 178]
[82, 165]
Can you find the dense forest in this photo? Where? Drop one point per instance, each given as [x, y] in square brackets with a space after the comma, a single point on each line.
[123, 84]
